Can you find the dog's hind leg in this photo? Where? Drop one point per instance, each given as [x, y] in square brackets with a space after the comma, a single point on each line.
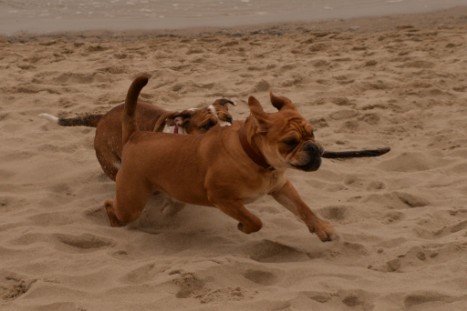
[130, 199]
[109, 161]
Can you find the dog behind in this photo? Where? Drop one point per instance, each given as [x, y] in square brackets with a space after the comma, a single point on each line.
[108, 137]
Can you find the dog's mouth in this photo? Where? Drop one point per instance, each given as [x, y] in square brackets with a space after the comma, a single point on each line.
[311, 166]
[311, 158]
[227, 122]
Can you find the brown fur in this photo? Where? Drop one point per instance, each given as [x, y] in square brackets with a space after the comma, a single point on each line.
[214, 170]
[108, 140]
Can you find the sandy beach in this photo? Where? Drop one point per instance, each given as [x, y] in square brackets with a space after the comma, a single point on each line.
[398, 81]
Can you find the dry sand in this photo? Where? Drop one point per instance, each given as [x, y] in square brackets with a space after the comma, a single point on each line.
[402, 218]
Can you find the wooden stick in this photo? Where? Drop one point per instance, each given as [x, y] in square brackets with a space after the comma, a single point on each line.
[355, 153]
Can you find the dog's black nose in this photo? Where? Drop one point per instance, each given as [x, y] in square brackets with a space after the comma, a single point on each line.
[313, 149]
[314, 152]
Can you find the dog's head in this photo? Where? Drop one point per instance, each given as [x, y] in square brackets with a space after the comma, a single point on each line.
[285, 138]
[220, 108]
[200, 120]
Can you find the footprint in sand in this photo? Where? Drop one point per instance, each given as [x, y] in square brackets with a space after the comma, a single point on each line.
[356, 299]
[51, 219]
[320, 297]
[97, 215]
[343, 299]
[418, 64]
[270, 251]
[441, 232]
[424, 255]
[142, 274]
[188, 284]
[427, 297]
[411, 200]
[397, 200]
[13, 286]
[392, 217]
[335, 212]
[191, 286]
[83, 241]
[75, 77]
[410, 162]
[343, 114]
[260, 277]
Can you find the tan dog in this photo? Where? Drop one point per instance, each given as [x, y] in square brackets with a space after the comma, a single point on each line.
[226, 168]
[108, 138]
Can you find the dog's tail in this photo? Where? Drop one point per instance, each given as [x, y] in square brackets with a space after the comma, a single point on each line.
[355, 153]
[129, 120]
[89, 120]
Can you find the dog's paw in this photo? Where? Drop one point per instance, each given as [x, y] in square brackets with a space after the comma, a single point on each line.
[324, 231]
[114, 222]
[327, 236]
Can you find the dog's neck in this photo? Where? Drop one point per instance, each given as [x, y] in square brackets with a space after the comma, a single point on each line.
[253, 153]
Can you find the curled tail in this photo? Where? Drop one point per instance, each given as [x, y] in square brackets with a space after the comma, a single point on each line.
[90, 120]
[129, 120]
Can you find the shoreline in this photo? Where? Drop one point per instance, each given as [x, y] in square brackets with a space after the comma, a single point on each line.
[446, 17]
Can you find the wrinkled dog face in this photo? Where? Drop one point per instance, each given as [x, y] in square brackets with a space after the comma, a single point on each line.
[286, 138]
[200, 120]
[220, 108]
[298, 147]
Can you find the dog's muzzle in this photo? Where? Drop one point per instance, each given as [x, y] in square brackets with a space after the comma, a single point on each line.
[313, 152]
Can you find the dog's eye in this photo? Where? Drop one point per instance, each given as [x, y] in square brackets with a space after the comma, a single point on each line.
[208, 125]
[291, 142]
[229, 119]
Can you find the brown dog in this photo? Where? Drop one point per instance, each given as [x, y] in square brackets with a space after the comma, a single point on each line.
[226, 168]
[108, 138]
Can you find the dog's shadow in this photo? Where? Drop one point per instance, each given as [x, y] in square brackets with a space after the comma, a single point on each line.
[156, 218]
[205, 229]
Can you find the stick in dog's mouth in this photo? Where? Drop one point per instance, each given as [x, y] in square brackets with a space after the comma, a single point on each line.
[363, 153]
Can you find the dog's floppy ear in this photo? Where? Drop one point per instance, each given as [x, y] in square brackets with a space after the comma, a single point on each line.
[224, 102]
[281, 102]
[258, 113]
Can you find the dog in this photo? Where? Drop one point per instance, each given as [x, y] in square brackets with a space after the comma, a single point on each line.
[108, 137]
[225, 168]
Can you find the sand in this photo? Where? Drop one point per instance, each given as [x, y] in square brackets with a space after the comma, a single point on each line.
[402, 218]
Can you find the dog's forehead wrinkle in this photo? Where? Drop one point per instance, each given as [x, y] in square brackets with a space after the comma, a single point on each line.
[301, 126]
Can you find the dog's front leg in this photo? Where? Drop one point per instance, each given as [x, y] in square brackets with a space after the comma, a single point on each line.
[288, 197]
[247, 222]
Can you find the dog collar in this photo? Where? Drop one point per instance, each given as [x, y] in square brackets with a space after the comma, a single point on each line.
[257, 157]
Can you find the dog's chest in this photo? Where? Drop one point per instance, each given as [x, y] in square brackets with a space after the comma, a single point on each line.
[269, 182]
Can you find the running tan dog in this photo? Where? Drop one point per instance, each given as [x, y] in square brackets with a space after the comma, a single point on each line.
[108, 138]
[226, 168]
